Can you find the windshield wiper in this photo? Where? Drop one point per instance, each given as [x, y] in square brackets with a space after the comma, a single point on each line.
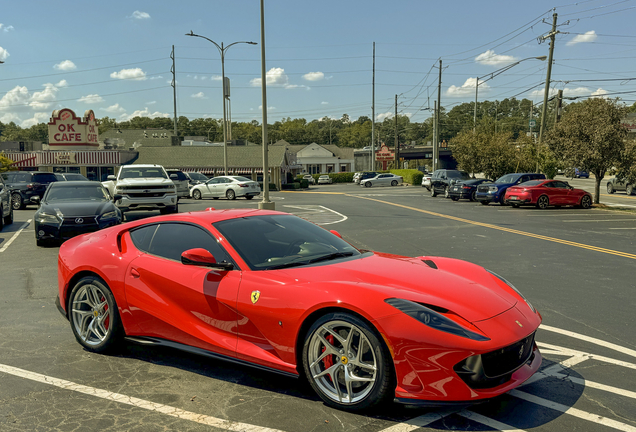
[331, 256]
[287, 265]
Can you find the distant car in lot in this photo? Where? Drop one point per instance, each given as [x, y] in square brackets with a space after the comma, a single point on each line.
[6, 210]
[70, 177]
[581, 173]
[614, 185]
[229, 187]
[443, 179]
[181, 181]
[496, 192]
[195, 178]
[69, 209]
[363, 175]
[25, 185]
[426, 181]
[325, 179]
[545, 193]
[385, 179]
[466, 189]
[310, 179]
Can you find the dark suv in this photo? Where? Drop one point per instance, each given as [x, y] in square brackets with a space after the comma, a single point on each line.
[495, 192]
[25, 185]
[6, 211]
[443, 179]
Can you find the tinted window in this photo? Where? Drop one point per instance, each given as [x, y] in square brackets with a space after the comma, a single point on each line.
[458, 175]
[533, 183]
[241, 179]
[560, 184]
[141, 237]
[508, 178]
[142, 173]
[198, 176]
[172, 239]
[44, 178]
[180, 175]
[94, 192]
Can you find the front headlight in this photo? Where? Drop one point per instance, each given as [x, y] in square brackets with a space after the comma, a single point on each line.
[492, 189]
[433, 319]
[514, 288]
[47, 218]
[109, 215]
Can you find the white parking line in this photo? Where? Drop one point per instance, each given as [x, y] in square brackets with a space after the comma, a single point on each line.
[488, 421]
[595, 341]
[599, 220]
[139, 403]
[318, 214]
[17, 233]
[418, 422]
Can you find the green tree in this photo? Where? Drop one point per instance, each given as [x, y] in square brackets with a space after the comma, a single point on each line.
[590, 136]
[5, 162]
[467, 150]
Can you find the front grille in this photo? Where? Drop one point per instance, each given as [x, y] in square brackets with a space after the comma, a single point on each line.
[146, 195]
[69, 230]
[496, 367]
[79, 221]
[482, 188]
[141, 187]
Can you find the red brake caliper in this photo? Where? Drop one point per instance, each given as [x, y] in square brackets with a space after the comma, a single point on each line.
[328, 361]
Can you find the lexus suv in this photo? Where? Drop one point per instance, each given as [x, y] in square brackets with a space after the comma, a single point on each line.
[25, 185]
[495, 192]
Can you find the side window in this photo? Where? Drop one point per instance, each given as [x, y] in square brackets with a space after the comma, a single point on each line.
[549, 185]
[141, 237]
[214, 181]
[22, 178]
[560, 184]
[172, 239]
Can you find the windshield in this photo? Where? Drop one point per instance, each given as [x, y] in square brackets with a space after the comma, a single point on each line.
[532, 183]
[198, 176]
[279, 241]
[508, 178]
[241, 179]
[142, 173]
[44, 178]
[76, 193]
[463, 175]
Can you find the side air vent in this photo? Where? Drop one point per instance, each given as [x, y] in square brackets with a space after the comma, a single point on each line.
[430, 263]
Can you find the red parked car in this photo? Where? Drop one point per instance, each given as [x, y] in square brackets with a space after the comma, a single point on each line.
[277, 292]
[545, 193]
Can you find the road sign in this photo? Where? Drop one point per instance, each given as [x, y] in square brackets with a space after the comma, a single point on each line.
[533, 123]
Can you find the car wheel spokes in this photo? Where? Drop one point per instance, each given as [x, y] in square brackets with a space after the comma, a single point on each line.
[343, 363]
[91, 315]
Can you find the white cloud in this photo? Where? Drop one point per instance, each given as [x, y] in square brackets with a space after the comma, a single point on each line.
[468, 88]
[599, 93]
[15, 100]
[3, 54]
[140, 15]
[314, 76]
[276, 77]
[62, 83]
[115, 109]
[6, 28]
[91, 98]
[156, 77]
[39, 117]
[66, 65]
[382, 116]
[269, 108]
[490, 58]
[589, 36]
[571, 92]
[44, 99]
[143, 113]
[134, 74]
[324, 103]
[199, 95]
[219, 78]
[151, 103]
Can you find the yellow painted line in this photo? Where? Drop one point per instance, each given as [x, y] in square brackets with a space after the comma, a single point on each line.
[509, 230]
[632, 197]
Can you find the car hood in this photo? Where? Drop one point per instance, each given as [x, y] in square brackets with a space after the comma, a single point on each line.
[145, 181]
[466, 289]
[79, 208]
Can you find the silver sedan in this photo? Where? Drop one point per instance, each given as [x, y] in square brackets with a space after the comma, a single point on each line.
[229, 187]
[386, 179]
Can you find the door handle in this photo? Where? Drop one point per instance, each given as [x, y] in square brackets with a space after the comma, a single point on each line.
[134, 273]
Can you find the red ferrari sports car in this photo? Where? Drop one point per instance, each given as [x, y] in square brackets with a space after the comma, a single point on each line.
[275, 291]
[545, 193]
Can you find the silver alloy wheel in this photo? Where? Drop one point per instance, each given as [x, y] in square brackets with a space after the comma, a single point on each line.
[586, 202]
[342, 362]
[196, 194]
[629, 189]
[446, 192]
[367, 184]
[543, 202]
[230, 194]
[394, 183]
[16, 201]
[610, 188]
[91, 314]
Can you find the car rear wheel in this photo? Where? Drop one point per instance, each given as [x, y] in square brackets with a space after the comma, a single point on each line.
[8, 219]
[446, 192]
[433, 193]
[93, 315]
[367, 184]
[16, 202]
[454, 198]
[230, 194]
[610, 188]
[629, 190]
[484, 202]
[346, 363]
[394, 183]
[473, 195]
[586, 202]
[1, 219]
[543, 202]
[196, 194]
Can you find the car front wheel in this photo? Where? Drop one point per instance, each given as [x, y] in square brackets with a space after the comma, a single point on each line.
[433, 193]
[610, 188]
[446, 192]
[346, 363]
[93, 315]
[196, 194]
[8, 219]
[586, 202]
[367, 184]
[629, 190]
[16, 202]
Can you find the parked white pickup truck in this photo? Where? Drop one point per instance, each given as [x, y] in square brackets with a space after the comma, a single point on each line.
[143, 187]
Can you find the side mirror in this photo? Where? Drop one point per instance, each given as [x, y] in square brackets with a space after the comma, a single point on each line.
[117, 197]
[111, 177]
[336, 233]
[203, 257]
[35, 200]
[174, 177]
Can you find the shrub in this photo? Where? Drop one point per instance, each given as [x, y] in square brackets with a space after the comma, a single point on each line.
[410, 176]
[343, 177]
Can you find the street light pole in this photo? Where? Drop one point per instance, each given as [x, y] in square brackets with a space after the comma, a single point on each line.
[492, 75]
[222, 50]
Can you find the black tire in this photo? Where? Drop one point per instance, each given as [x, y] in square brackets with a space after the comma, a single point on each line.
[543, 202]
[230, 194]
[196, 194]
[514, 205]
[629, 190]
[502, 198]
[41, 243]
[433, 192]
[473, 195]
[484, 202]
[1, 219]
[446, 192]
[17, 202]
[394, 183]
[367, 184]
[610, 188]
[454, 198]
[93, 315]
[8, 220]
[586, 202]
[215, 197]
[249, 197]
[366, 394]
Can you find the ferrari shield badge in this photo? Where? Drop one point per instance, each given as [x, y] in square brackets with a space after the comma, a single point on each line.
[255, 296]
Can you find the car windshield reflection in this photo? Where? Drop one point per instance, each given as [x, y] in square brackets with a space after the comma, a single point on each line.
[77, 193]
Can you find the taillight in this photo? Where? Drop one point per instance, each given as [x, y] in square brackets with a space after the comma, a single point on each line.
[465, 187]
[243, 185]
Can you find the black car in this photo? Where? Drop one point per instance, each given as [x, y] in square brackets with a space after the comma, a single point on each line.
[69, 209]
[70, 177]
[6, 211]
[466, 189]
[443, 179]
[25, 185]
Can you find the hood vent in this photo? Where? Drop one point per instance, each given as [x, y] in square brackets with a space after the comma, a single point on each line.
[430, 263]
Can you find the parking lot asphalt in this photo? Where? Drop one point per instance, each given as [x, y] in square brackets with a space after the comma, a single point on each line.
[575, 266]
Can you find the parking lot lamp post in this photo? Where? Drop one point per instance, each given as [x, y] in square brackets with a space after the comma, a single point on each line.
[491, 75]
[222, 50]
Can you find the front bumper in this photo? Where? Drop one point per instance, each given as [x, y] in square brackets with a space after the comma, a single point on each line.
[146, 203]
[69, 228]
[487, 196]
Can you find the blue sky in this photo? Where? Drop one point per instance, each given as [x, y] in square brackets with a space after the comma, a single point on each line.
[114, 57]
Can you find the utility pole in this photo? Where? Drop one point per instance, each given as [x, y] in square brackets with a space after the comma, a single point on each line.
[559, 105]
[372, 167]
[475, 114]
[397, 144]
[439, 107]
[174, 89]
[434, 130]
[531, 117]
[544, 110]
